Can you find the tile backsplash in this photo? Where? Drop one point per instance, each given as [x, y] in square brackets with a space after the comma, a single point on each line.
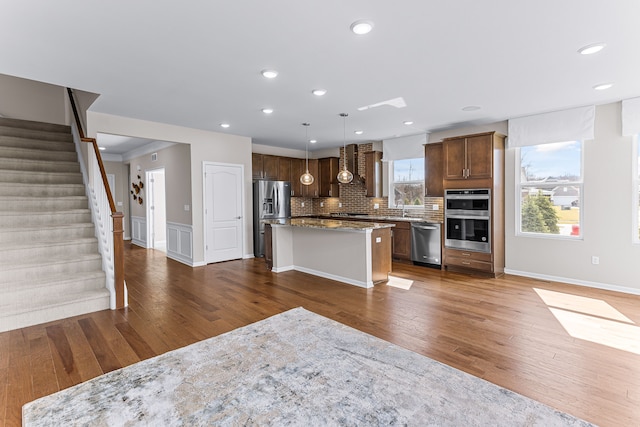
[353, 200]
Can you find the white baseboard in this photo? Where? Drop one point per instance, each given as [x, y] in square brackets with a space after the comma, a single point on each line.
[586, 283]
[334, 277]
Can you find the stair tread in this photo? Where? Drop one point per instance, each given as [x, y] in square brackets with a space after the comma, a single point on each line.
[34, 125]
[52, 280]
[49, 243]
[56, 212]
[28, 305]
[52, 260]
[43, 198]
[46, 227]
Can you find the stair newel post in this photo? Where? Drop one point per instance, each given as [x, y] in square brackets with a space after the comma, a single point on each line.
[118, 257]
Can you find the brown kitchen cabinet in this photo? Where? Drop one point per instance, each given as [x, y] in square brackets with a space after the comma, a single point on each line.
[373, 173]
[311, 190]
[401, 242]
[476, 162]
[284, 169]
[328, 177]
[268, 246]
[297, 169]
[264, 166]
[433, 161]
[471, 156]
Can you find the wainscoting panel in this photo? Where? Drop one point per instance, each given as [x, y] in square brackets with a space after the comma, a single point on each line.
[139, 231]
[180, 242]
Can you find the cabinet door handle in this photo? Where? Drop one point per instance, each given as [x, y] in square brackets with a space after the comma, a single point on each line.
[466, 262]
[466, 254]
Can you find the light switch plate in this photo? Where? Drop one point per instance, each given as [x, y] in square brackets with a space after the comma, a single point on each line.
[302, 204]
[186, 208]
[435, 207]
[119, 203]
[322, 204]
[339, 205]
[376, 206]
[378, 239]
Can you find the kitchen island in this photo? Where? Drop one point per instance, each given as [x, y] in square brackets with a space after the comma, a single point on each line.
[354, 252]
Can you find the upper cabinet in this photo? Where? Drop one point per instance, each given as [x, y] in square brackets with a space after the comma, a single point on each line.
[264, 166]
[471, 157]
[328, 177]
[297, 169]
[433, 160]
[373, 173]
[311, 190]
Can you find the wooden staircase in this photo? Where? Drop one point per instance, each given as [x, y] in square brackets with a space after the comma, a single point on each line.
[50, 267]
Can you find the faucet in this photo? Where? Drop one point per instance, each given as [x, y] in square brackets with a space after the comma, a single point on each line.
[403, 206]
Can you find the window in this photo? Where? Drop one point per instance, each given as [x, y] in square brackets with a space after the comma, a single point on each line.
[406, 188]
[550, 189]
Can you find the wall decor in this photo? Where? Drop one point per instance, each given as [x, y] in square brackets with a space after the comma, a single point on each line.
[137, 188]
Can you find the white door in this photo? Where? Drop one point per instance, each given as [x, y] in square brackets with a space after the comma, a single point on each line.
[156, 210]
[223, 211]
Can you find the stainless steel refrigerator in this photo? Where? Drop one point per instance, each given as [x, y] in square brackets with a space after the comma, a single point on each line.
[271, 200]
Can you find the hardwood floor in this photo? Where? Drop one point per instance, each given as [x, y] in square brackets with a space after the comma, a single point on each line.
[497, 329]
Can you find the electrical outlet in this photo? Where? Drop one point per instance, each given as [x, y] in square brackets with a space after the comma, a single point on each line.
[378, 239]
[339, 205]
[376, 206]
[186, 208]
[119, 203]
[595, 260]
[322, 204]
[435, 207]
[302, 205]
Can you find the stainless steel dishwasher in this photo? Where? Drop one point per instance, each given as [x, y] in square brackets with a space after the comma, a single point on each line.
[425, 244]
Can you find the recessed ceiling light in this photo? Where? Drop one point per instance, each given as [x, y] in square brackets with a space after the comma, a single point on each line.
[470, 108]
[224, 125]
[361, 27]
[408, 122]
[358, 132]
[591, 49]
[267, 110]
[318, 92]
[312, 141]
[102, 148]
[270, 74]
[603, 86]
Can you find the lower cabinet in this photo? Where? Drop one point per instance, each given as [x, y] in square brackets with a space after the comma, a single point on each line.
[268, 248]
[401, 247]
[469, 260]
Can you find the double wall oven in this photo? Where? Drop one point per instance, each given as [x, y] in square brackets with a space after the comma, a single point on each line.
[467, 217]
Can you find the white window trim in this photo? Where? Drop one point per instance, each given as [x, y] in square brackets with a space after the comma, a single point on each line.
[390, 198]
[518, 221]
[635, 189]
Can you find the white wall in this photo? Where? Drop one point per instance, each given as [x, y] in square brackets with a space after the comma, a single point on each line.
[205, 146]
[607, 218]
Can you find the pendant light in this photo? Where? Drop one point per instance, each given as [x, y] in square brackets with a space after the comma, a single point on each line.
[306, 178]
[344, 177]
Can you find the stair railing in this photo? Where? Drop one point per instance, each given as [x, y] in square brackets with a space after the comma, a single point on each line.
[111, 242]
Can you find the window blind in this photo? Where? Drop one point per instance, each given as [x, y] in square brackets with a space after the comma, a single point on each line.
[630, 116]
[406, 147]
[576, 124]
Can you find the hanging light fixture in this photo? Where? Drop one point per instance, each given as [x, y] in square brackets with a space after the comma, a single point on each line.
[344, 177]
[306, 178]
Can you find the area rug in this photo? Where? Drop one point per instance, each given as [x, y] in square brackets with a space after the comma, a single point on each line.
[295, 368]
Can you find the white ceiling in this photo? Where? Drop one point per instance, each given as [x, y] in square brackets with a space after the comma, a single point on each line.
[198, 63]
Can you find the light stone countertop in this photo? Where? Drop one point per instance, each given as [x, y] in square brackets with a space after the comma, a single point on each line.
[332, 224]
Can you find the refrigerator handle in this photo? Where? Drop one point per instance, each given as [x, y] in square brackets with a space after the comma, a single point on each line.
[277, 201]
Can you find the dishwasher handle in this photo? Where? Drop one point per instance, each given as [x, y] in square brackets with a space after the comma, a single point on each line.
[425, 227]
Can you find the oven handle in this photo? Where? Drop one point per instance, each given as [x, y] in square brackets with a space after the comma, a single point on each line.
[487, 217]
